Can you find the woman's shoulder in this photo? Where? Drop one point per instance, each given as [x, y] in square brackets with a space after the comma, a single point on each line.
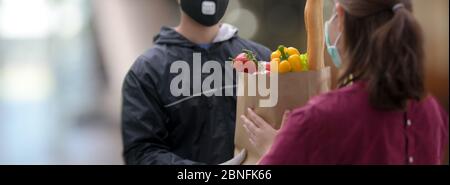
[352, 102]
[430, 108]
[346, 97]
[426, 103]
[335, 105]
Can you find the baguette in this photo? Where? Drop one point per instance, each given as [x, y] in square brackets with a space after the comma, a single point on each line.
[315, 36]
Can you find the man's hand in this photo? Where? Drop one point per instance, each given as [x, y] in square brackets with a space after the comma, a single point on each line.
[238, 159]
[261, 134]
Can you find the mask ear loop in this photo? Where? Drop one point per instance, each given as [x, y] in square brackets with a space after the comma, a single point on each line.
[327, 26]
[397, 7]
[333, 18]
[338, 38]
[350, 79]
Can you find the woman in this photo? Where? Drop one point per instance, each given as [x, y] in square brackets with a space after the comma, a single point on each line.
[381, 114]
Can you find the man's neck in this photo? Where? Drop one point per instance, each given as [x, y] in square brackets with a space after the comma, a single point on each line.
[196, 32]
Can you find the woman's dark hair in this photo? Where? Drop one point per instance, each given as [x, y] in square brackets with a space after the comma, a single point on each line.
[384, 47]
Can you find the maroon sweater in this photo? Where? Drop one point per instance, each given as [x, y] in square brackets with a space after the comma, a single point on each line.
[342, 128]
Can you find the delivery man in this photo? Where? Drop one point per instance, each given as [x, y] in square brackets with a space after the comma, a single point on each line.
[163, 129]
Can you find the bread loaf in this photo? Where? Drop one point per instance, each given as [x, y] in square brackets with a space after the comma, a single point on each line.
[315, 36]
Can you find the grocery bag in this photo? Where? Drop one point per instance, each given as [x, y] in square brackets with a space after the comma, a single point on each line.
[294, 91]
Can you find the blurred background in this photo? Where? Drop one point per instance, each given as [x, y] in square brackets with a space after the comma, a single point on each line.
[62, 63]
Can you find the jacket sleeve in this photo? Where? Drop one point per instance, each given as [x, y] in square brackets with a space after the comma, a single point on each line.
[144, 122]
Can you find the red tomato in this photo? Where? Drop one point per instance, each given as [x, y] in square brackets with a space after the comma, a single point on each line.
[267, 64]
[250, 67]
[241, 57]
[243, 64]
[239, 66]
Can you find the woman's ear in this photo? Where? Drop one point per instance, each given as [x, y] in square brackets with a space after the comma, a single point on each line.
[340, 15]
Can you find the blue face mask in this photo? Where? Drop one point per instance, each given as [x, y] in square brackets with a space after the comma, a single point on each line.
[332, 49]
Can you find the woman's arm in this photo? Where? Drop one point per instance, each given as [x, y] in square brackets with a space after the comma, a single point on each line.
[302, 139]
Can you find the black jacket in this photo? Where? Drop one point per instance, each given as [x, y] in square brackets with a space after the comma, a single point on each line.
[159, 128]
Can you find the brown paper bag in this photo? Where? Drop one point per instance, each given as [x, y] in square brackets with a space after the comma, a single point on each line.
[295, 89]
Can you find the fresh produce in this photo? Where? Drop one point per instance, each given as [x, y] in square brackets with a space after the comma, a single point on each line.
[295, 62]
[267, 66]
[275, 55]
[304, 62]
[292, 51]
[274, 65]
[285, 60]
[246, 62]
[285, 67]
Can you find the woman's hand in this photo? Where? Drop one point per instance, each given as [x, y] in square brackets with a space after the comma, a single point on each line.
[261, 134]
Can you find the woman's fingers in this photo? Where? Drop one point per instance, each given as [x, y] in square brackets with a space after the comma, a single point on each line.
[251, 136]
[251, 130]
[250, 126]
[259, 122]
[249, 133]
[253, 142]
